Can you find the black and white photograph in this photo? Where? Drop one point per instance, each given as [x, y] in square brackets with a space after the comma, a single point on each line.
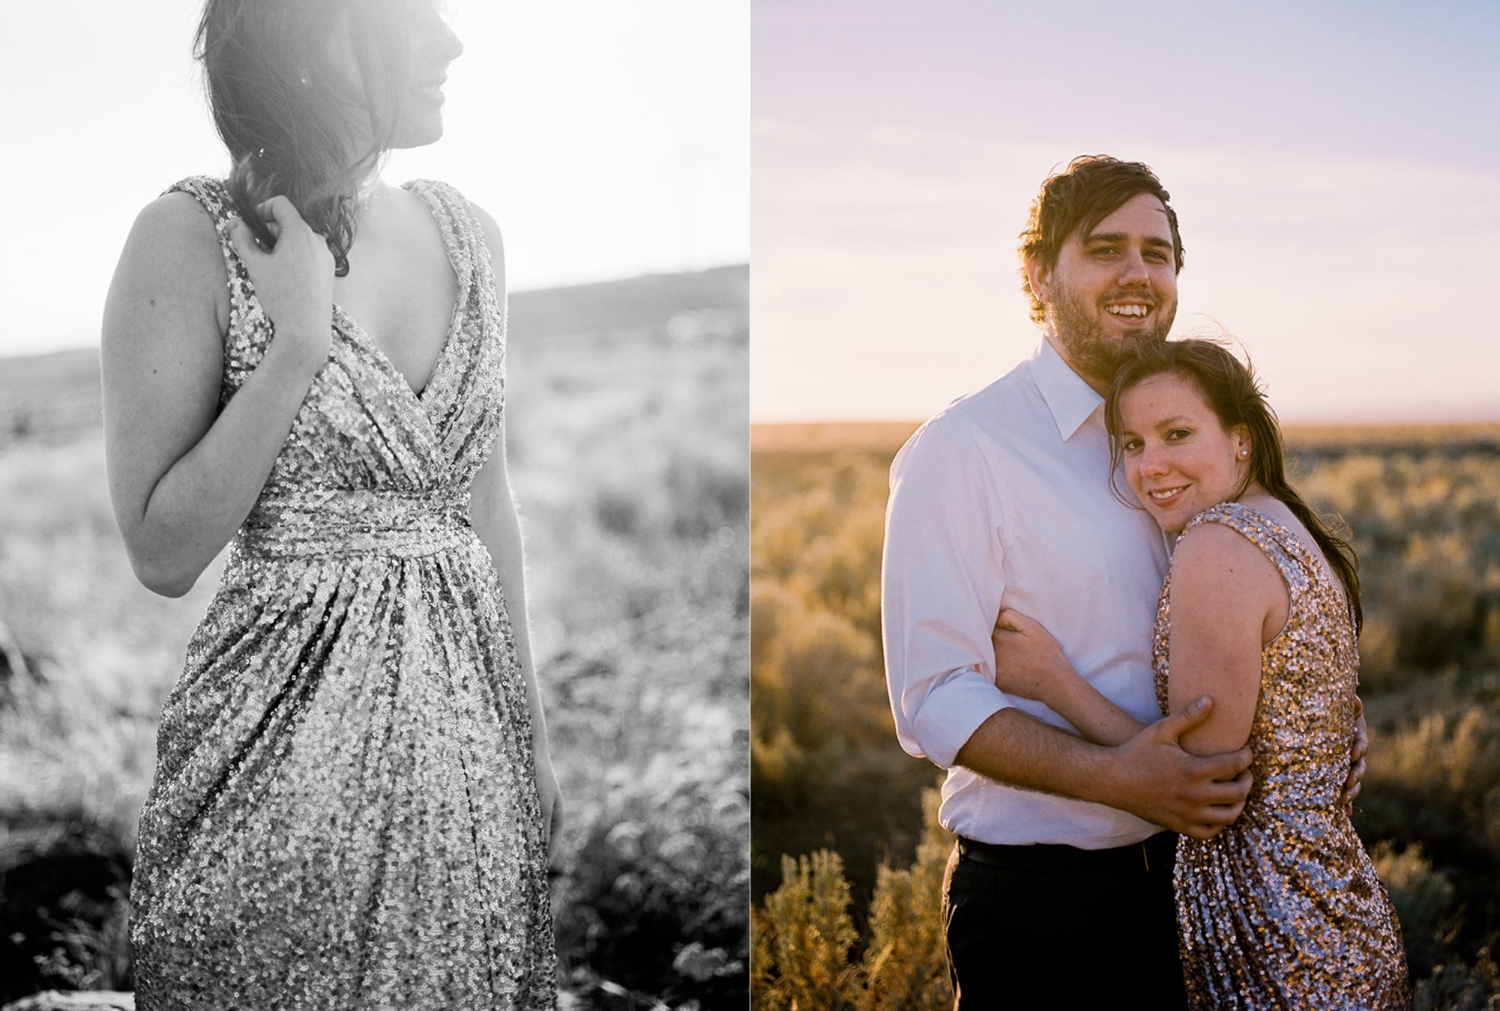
[374, 505]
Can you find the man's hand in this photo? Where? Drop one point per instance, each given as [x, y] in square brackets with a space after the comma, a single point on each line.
[1158, 781]
[1356, 759]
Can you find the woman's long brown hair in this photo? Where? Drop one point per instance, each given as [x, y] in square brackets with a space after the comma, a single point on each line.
[294, 124]
[1233, 393]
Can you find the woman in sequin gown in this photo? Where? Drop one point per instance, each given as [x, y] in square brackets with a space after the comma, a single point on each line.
[1259, 611]
[353, 798]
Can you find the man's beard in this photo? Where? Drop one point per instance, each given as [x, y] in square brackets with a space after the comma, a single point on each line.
[1093, 354]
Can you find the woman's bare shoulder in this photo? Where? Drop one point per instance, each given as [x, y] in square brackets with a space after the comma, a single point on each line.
[1211, 545]
[176, 226]
[1218, 559]
[174, 255]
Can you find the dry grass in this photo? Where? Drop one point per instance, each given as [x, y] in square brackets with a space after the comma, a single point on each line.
[1424, 509]
[628, 457]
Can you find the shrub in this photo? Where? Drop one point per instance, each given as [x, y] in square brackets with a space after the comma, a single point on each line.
[655, 900]
[1423, 900]
[905, 965]
[1461, 987]
[804, 938]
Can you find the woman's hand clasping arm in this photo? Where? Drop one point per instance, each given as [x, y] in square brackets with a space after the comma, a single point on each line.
[1030, 663]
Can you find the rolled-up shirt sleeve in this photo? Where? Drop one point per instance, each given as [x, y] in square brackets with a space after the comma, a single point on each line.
[942, 578]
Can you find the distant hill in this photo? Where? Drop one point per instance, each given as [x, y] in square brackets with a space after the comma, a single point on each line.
[54, 397]
[1307, 440]
[640, 303]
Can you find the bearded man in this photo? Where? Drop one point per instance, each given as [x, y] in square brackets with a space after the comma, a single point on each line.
[1059, 892]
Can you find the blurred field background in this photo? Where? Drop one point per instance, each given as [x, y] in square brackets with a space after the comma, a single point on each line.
[847, 900]
[627, 409]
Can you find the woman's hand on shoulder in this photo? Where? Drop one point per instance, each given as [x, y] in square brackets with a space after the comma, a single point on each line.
[293, 281]
[1224, 591]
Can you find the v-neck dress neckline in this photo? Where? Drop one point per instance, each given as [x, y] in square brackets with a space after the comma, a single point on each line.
[462, 280]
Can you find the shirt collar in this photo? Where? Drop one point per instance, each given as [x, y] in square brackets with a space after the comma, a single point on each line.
[1071, 400]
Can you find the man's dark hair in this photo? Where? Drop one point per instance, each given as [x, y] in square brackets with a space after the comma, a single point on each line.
[1090, 189]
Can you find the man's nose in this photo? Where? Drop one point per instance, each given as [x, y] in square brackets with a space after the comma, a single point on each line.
[1133, 269]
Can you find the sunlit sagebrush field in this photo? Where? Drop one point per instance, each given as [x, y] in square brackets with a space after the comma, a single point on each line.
[627, 439]
[846, 897]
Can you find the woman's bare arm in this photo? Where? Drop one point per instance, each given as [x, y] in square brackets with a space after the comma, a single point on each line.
[1227, 599]
[1030, 663]
[493, 512]
[183, 475]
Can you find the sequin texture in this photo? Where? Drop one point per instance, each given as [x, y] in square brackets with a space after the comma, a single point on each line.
[345, 812]
[1283, 909]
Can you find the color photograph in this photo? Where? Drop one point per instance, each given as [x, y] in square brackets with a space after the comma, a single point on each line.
[1114, 278]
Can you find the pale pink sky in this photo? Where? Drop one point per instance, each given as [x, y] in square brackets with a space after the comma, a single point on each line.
[1336, 171]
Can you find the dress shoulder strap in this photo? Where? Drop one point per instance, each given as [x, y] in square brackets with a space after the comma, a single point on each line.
[463, 236]
[213, 195]
[1299, 570]
[249, 329]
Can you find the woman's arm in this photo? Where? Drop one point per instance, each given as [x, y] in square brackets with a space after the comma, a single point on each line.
[1227, 600]
[183, 475]
[493, 512]
[1030, 663]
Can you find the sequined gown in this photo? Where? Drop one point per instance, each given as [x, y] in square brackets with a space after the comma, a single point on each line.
[1283, 909]
[345, 812]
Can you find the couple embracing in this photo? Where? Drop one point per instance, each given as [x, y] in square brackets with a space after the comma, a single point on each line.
[1133, 646]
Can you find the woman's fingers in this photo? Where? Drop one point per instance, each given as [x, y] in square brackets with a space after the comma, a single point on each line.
[243, 240]
[279, 209]
[293, 278]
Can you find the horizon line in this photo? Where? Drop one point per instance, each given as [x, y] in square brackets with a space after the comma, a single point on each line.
[617, 279]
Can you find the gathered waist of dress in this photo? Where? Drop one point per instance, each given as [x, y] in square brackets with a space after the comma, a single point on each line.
[340, 523]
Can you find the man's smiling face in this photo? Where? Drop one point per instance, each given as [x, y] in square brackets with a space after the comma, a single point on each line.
[1111, 287]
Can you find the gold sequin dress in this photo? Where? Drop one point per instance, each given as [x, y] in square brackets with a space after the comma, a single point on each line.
[345, 812]
[1283, 909]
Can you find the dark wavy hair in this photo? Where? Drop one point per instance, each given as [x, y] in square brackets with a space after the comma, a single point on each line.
[293, 122]
[1090, 189]
[1231, 390]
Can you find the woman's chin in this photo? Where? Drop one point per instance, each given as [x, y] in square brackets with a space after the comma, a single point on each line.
[419, 135]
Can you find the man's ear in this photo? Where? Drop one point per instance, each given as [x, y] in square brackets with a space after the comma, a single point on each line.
[1037, 275]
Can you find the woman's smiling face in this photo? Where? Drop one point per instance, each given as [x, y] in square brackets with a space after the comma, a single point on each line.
[417, 90]
[1178, 458]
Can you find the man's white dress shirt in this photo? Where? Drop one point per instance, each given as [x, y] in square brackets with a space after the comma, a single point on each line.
[1003, 499]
